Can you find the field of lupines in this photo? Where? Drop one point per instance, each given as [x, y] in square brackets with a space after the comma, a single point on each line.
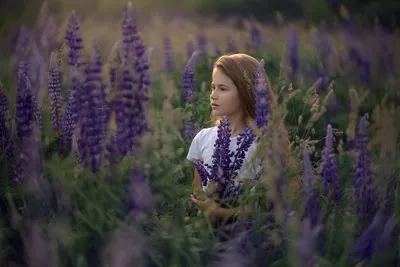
[94, 138]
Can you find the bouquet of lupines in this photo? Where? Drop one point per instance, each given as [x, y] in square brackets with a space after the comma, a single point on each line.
[226, 164]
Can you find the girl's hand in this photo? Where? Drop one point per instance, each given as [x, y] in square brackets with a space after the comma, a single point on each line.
[208, 205]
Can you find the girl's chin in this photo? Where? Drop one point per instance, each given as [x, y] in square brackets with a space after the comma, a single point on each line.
[216, 113]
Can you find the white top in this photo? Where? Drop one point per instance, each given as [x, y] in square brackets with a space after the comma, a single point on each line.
[202, 148]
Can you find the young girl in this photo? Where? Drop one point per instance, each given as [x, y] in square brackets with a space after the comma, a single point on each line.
[231, 97]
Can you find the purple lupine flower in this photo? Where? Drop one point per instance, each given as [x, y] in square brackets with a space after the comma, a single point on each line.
[70, 118]
[217, 50]
[141, 95]
[232, 47]
[244, 141]
[256, 38]
[221, 158]
[306, 244]
[363, 191]
[131, 115]
[363, 249]
[114, 61]
[190, 129]
[5, 135]
[141, 198]
[324, 47]
[74, 40]
[202, 43]
[293, 52]
[226, 164]
[169, 65]
[190, 49]
[310, 191]
[385, 239]
[329, 168]
[188, 78]
[24, 104]
[55, 93]
[91, 115]
[201, 169]
[262, 105]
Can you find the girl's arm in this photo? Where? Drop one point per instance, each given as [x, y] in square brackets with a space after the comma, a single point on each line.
[212, 209]
[232, 212]
[197, 186]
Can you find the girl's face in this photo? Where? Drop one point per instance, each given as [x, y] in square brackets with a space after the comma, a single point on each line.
[224, 97]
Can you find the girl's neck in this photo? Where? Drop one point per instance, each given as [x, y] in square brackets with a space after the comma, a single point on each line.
[237, 125]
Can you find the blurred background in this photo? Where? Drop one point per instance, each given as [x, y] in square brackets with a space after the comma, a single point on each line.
[13, 13]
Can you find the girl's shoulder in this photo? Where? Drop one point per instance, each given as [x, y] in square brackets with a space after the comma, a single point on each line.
[206, 133]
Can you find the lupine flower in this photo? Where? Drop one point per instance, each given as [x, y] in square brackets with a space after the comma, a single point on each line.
[55, 93]
[363, 249]
[293, 52]
[114, 61]
[74, 40]
[323, 45]
[168, 55]
[190, 129]
[305, 245]
[225, 163]
[329, 169]
[217, 50]
[363, 191]
[202, 43]
[5, 136]
[25, 110]
[385, 239]
[131, 115]
[262, 105]
[70, 118]
[232, 45]
[221, 158]
[141, 198]
[310, 191]
[256, 38]
[91, 115]
[188, 78]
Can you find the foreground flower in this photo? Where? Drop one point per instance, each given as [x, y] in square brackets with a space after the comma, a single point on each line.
[225, 163]
[310, 191]
[363, 191]
[188, 78]
[329, 168]
[54, 90]
[261, 92]
[306, 244]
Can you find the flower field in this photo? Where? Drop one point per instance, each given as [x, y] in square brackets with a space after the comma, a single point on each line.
[97, 118]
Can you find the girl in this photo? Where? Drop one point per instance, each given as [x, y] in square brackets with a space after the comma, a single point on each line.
[231, 97]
